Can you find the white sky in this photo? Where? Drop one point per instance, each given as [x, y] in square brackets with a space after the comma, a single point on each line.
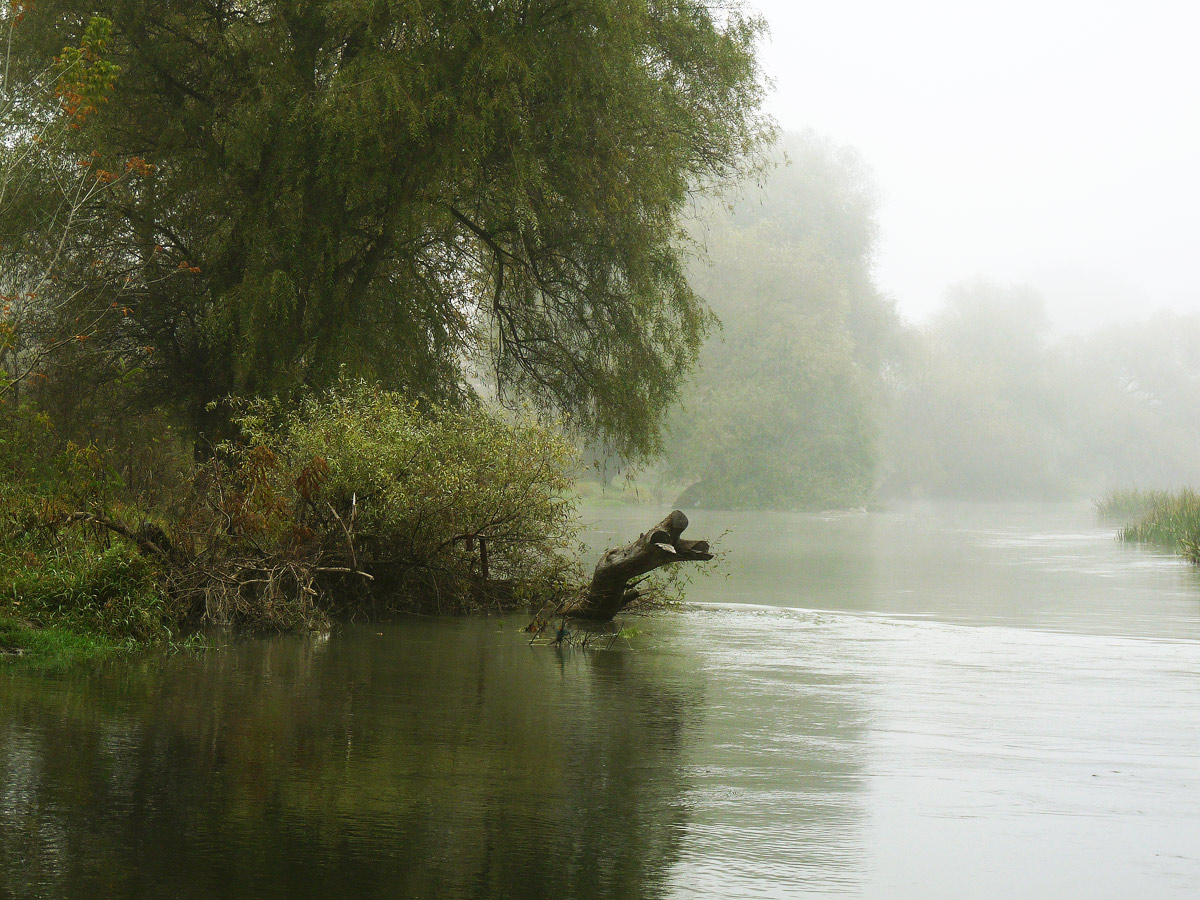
[1048, 142]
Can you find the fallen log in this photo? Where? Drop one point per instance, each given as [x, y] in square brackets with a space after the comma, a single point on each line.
[610, 590]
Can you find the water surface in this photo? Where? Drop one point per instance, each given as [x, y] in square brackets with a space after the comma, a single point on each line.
[937, 702]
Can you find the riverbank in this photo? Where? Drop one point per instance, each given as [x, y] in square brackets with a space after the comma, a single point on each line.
[72, 599]
[353, 504]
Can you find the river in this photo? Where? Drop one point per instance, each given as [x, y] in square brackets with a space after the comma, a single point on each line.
[936, 702]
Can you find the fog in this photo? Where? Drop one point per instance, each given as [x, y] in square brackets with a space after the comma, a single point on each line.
[1049, 143]
[817, 393]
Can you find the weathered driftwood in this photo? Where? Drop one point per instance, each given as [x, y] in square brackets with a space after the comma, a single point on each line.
[610, 590]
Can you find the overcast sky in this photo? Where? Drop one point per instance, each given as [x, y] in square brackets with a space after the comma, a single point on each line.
[1054, 143]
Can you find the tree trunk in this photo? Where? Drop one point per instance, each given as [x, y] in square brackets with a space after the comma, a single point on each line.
[610, 591]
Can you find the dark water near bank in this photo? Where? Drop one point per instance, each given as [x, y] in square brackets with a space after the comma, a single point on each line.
[944, 702]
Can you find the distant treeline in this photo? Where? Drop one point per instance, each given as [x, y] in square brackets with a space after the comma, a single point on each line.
[985, 404]
[814, 394]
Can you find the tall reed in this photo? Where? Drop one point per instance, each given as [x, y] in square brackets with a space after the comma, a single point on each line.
[1128, 504]
[1167, 518]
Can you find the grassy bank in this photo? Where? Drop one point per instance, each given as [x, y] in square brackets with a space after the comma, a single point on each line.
[65, 604]
[1165, 518]
[26, 645]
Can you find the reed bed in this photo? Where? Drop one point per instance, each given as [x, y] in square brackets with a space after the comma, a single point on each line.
[1166, 518]
[1129, 504]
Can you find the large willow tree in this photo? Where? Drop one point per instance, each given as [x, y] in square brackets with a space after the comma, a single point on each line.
[435, 195]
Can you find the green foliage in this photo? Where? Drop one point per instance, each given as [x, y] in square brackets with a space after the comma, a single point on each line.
[416, 192]
[116, 592]
[47, 648]
[74, 582]
[85, 78]
[356, 502]
[784, 411]
[422, 477]
[359, 500]
[54, 574]
[1171, 519]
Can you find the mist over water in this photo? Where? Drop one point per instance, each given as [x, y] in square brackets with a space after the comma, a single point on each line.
[817, 393]
[935, 702]
[1047, 566]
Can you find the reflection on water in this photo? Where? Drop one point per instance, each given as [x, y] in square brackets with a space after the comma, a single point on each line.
[437, 759]
[939, 703]
[776, 762]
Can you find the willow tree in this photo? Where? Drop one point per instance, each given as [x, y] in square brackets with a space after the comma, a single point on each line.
[433, 194]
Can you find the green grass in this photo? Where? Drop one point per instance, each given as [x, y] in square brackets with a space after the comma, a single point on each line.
[23, 644]
[63, 603]
[113, 593]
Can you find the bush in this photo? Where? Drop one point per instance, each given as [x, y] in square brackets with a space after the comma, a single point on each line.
[359, 501]
[55, 571]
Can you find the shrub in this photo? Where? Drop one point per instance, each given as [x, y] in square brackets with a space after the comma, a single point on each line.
[55, 570]
[361, 501]
[357, 502]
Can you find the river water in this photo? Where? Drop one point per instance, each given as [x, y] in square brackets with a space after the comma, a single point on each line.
[936, 702]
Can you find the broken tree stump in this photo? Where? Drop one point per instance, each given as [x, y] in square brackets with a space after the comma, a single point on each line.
[610, 590]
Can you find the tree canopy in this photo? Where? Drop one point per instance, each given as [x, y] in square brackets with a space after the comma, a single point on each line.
[434, 195]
